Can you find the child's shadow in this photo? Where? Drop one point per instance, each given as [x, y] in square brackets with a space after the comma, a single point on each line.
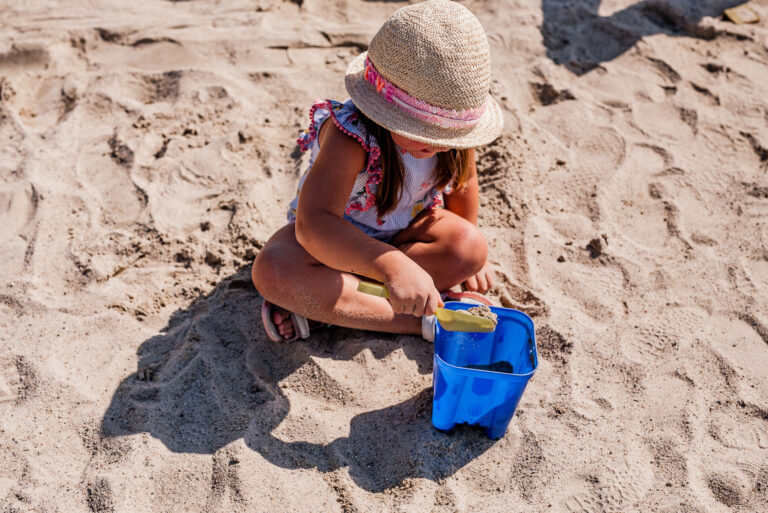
[213, 376]
[579, 38]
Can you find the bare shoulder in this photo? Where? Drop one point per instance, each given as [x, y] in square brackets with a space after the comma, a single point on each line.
[331, 178]
[344, 150]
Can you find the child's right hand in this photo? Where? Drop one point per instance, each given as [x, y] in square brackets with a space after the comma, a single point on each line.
[412, 291]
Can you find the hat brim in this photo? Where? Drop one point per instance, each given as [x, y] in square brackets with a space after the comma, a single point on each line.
[390, 116]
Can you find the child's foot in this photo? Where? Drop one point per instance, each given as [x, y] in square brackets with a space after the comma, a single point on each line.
[283, 322]
[285, 326]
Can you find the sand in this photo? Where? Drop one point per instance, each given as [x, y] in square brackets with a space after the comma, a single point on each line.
[485, 312]
[148, 153]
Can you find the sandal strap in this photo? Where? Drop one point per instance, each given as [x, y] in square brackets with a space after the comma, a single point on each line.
[300, 325]
[466, 296]
[271, 329]
[269, 325]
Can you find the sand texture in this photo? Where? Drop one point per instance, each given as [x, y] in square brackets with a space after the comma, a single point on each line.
[485, 312]
[148, 151]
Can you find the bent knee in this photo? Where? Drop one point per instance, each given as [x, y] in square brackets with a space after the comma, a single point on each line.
[266, 269]
[280, 264]
[469, 247]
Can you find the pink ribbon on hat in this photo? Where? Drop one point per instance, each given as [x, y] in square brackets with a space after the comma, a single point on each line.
[438, 116]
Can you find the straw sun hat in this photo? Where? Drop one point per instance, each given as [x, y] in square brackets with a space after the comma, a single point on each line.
[426, 76]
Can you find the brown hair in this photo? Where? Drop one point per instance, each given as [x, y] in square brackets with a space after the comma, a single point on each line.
[451, 165]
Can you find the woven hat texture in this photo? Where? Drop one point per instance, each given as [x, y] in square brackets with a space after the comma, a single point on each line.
[437, 52]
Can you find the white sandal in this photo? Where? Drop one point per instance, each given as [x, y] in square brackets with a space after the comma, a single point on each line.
[466, 296]
[301, 326]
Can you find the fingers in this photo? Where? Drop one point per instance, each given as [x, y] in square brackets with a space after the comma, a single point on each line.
[489, 277]
[408, 306]
[399, 307]
[433, 303]
[413, 292]
[482, 283]
[487, 280]
[421, 306]
[426, 305]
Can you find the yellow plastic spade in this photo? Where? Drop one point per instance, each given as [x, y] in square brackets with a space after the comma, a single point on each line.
[451, 320]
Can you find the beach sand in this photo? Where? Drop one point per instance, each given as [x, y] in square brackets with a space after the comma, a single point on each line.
[148, 152]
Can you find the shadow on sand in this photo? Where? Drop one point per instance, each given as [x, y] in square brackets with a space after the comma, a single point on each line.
[213, 376]
[579, 38]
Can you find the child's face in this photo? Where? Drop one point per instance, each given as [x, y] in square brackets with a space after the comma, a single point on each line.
[417, 149]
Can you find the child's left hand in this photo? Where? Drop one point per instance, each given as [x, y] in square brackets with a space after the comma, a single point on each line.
[482, 281]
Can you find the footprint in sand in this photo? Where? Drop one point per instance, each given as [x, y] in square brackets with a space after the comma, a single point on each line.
[552, 346]
[226, 487]
[639, 205]
[596, 154]
[18, 380]
[98, 496]
[614, 489]
[6, 393]
[749, 432]
[598, 282]
[626, 481]
[41, 103]
[665, 119]
[163, 87]
[38, 101]
[754, 465]
[734, 478]
[582, 503]
[651, 339]
[18, 235]
[513, 295]
[742, 347]
[18, 208]
[724, 489]
[24, 58]
[528, 462]
[599, 151]
[103, 169]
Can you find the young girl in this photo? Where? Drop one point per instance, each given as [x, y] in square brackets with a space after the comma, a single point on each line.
[380, 164]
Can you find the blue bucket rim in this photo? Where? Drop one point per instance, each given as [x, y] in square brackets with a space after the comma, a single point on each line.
[533, 340]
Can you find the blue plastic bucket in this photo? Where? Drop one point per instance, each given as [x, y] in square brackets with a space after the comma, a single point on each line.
[486, 398]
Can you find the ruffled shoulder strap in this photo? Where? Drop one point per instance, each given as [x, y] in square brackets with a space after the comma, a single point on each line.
[347, 119]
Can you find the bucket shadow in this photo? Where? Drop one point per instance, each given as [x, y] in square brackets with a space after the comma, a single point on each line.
[580, 39]
[213, 376]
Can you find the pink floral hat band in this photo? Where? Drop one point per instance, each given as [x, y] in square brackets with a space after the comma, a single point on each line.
[438, 116]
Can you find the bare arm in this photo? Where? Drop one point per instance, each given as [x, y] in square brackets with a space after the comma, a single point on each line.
[465, 203]
[322, 231]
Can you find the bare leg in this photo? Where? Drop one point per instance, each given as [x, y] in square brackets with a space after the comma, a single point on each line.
[448, 247]
[286, 275]
[445, 245]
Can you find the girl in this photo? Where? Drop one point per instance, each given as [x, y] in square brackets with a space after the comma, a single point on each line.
[380, 164]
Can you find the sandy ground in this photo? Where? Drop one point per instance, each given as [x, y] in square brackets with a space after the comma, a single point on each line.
[148, 152]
